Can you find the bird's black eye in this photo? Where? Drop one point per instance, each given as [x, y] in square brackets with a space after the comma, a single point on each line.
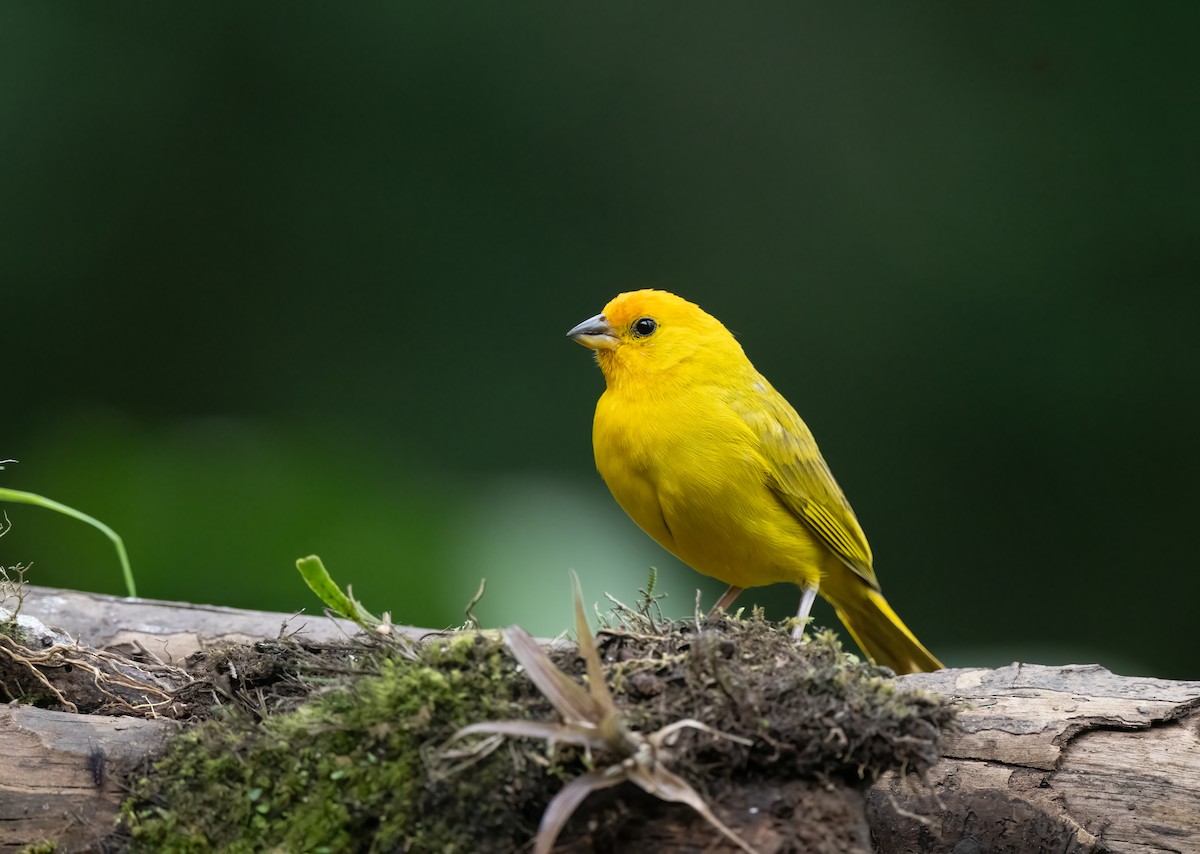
[643, 327]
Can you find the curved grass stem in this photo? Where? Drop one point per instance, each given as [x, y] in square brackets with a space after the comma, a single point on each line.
[19, 497]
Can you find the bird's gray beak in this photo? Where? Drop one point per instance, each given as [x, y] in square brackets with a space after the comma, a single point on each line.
[595, 333]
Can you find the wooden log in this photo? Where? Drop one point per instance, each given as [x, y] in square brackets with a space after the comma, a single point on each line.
[57, 769]
[172, 630]
[58, 772]
[1071, 759]
[1066, 759]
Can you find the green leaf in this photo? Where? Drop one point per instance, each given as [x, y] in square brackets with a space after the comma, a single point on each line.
[313, 571]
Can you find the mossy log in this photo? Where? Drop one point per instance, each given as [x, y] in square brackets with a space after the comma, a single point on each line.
[1071, 759]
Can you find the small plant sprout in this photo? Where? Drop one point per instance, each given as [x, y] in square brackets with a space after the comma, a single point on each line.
[591, 721]
[18, 497]
[469, 611]
[319, 581]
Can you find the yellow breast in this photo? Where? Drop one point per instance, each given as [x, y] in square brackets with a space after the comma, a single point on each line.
[689, 473]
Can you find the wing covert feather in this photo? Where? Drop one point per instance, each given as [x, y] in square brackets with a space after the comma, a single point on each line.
[800, 476]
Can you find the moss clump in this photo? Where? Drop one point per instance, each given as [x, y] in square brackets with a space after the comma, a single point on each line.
[40, 848]
[359, 766]
[344, 771]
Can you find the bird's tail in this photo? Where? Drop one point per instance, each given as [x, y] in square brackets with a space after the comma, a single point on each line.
[881, 634]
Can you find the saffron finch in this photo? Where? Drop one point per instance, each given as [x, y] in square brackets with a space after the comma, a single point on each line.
[713, 463]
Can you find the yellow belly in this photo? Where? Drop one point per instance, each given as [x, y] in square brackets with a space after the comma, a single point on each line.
[710, 506]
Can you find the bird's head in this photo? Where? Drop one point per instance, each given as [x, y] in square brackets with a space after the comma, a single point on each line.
[649, 332]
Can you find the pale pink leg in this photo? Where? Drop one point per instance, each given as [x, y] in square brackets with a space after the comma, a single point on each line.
[806, 603]
[727, 598]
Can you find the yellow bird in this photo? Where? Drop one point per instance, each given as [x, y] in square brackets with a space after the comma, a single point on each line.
[713, 463]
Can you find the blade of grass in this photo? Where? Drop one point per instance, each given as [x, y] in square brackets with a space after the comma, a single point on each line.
[668, 786]
[563, 806]
[558, 733]
[18, 497]
[587, 649]
[569, 698]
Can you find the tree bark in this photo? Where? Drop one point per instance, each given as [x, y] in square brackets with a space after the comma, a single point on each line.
[58, 772]
[1071, 759]
[1065, 759]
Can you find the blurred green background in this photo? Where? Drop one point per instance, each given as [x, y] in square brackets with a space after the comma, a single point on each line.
[279, 279]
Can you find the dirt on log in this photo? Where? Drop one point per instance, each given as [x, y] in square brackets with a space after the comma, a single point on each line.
[1071, 759]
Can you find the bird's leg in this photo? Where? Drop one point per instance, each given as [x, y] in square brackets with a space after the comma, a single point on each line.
[806, 602]
[727, 598]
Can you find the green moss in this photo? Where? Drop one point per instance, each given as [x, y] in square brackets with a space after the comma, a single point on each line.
[344, 772]
[40, 848]
[360, 766]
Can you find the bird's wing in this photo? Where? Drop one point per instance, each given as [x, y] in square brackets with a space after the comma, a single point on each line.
[800, 477]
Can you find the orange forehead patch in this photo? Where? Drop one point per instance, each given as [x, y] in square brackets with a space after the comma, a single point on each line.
[625, 308]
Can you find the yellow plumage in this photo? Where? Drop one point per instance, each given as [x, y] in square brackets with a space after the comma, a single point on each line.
[713, 463]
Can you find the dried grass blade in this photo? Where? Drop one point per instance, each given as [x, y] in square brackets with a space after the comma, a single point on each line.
[559, 733]
[667, 786]
[587, 649]
[661, 736]
[564, 804]
[568, 697]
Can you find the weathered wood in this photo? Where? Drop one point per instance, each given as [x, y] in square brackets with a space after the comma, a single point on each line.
[57, 773]
[1053, 758]
[1065, 759]
[1070, 759]
[172, 630]
[57, 769]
